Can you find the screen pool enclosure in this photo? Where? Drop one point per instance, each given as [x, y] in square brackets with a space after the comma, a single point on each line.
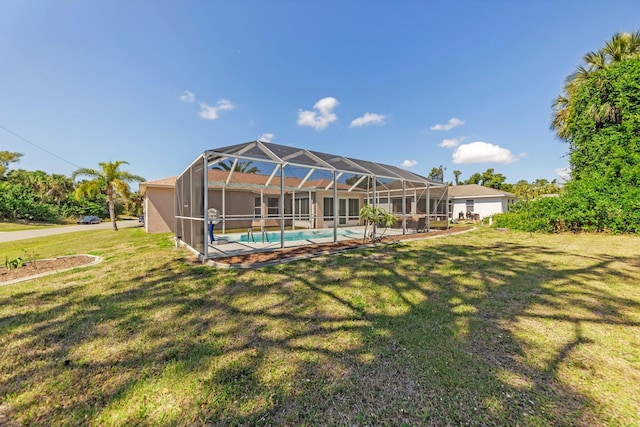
[260, 187]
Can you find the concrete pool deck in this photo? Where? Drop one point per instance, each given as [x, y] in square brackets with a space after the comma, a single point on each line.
[223, 248]
[251, 258]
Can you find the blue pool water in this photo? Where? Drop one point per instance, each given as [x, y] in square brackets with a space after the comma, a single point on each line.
[290, 236]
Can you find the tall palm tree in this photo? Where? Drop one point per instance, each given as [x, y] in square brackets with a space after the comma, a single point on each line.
[620, 47]
[110, 180]
[457, 174]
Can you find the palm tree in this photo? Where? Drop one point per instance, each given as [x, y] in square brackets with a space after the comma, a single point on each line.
[620, 47]
[109, 179]
[59, 186]
[38, 181]
[373, 216]
[244, 167]
[457, 174]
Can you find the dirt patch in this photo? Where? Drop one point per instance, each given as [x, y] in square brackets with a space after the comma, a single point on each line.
[307, 250]
[45, 266]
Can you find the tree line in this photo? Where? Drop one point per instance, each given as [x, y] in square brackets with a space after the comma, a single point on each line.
[42, 197]
[523, 189]
[598, 116]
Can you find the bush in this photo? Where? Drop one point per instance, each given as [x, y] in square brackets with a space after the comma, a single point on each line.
[585, 206]
[72, 208]
[17, 202]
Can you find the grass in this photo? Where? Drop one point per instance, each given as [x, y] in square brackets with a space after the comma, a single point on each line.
[18, 226]
[485, 328]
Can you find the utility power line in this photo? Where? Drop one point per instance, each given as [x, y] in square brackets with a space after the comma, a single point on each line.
[39, 147]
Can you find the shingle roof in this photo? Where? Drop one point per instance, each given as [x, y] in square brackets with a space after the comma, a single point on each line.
[245, 179]
[169, 182]
[475, 190]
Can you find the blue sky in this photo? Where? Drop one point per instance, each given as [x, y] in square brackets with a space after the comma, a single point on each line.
[463, 84]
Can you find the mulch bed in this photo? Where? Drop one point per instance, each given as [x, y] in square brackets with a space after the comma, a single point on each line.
[44, 266]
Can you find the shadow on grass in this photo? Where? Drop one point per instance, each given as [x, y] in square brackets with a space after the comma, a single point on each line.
[415, 333]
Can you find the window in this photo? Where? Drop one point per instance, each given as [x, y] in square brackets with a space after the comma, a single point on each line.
[272, 206]
[354, 209]
[327, 208]
[469, 206]
[396, 205]
[304, 206]
[301, 208]
[257, 211]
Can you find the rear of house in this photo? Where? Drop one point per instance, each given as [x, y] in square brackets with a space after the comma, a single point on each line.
[304, 209]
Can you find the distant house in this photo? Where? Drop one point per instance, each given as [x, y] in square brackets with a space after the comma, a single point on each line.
[473, 200]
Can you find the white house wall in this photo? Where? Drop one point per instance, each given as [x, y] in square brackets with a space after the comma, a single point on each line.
[483, 206]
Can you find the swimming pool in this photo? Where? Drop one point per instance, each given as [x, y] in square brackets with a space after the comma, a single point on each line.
[290, 236]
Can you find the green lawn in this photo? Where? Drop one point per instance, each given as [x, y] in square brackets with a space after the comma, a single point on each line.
[483, 328]
[15, 226]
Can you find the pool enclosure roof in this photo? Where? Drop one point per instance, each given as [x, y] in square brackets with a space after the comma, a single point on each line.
[287, 155]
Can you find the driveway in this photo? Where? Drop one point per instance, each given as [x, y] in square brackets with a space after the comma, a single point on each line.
[9, 236]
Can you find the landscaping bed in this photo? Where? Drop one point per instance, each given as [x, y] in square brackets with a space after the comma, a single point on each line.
[39, 267]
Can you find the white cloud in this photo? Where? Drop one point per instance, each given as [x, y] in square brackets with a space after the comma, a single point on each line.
[563, 173]
[453, 122]
[266, 137]
[322, 117]
[368, 119]
[482, 152]
[209, 112]
[409, 163]
[187, 96]
[225, 105]
[451, 143]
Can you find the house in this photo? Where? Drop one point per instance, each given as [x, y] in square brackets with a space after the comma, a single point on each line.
[253, 199]
[264, 185]
[476, 201]
[308, 204]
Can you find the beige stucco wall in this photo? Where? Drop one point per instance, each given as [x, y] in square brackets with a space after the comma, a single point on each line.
[159, 210]
[237, 203]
